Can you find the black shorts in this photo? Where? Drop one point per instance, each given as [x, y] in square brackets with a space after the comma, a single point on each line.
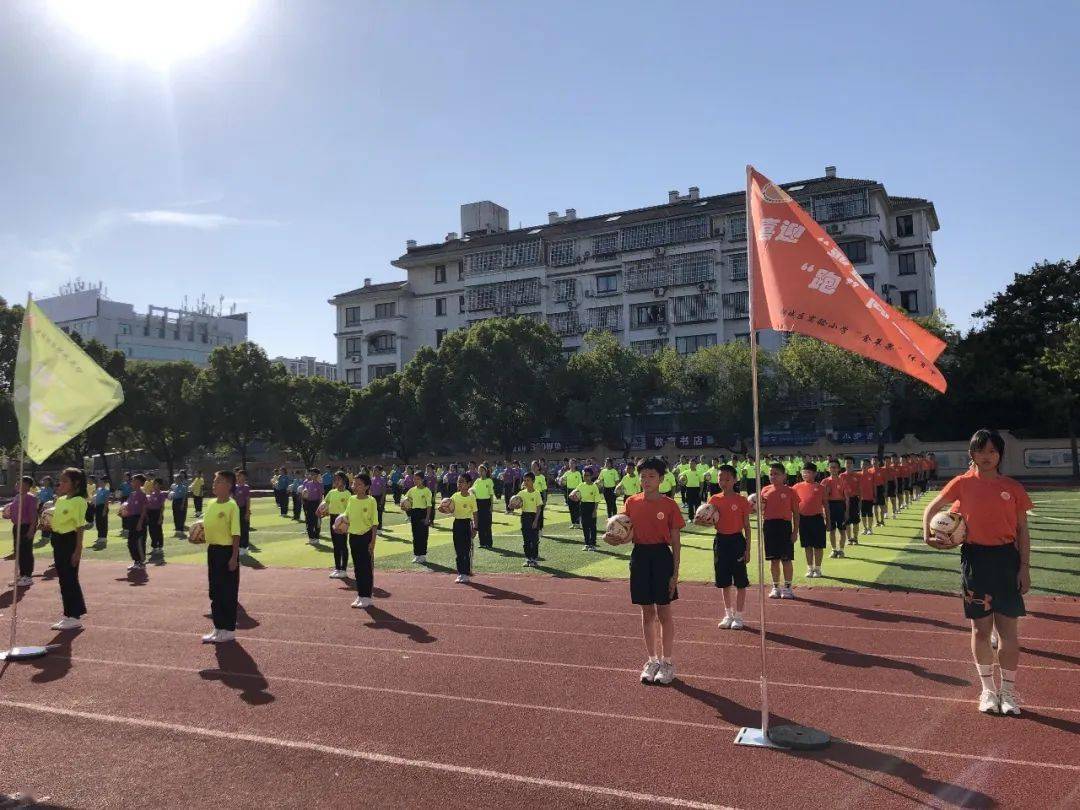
[853, 511]
[778, 545]
[879, 495]
[890, 488]
[866, 508]
[906, 482]
[837, 514]
[728, 566]
[651, 568]
[812, 530]
[988, 575]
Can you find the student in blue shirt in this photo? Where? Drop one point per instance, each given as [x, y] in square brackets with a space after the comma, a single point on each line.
[281, 490]
[101, 508]
[178, 494]
[328, 479]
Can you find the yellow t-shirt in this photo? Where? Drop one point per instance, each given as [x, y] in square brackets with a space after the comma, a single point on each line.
[148, 487]
[362, 514]
[531, 502]
[196, 486]
[69, 514]
[337, 500]
[420, 497]
[221, 521]
[540, 483]
[590, 493]
[464, 506]
[484, 489]
[667, 483]
[631, 485]
[572, 479]
[609, 477]
[693, 479]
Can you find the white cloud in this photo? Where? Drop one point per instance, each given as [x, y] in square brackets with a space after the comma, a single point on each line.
[184, 219]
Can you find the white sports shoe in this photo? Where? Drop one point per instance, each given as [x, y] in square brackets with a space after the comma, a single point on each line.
[210, 638]
[225, 635]
[994, 641]
[358, 602]
[648, 672]
[989, 702]
[422, 559]
[787, 593]
[245, 551]
[333, 574]
[1010, 701]
[313, 542]
[725, 623]
[25, 582]
[737, 623]
[67, 623]
[775, 592]
[665, 674]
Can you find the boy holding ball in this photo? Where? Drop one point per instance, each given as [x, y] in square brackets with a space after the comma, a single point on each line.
[731, 547]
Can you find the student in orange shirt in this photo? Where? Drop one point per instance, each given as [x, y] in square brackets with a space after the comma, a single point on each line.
[654, 567]
[880, 479]
[867, 491]
[781, 528]
[850, 477]
[836, 512]
[994, 563]
[813, 516]
[731, 547]
[890, 484]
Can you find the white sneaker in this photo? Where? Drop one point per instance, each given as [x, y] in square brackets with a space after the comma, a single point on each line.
[775, 592]
[834, 554]
[135, 566]
[839, 552]
[989, 702]
[665, 674]
[333, 574]
[737, 623]
[994, 641]
[1010, 701]
[527, 564]
[244, 552]
[24, 582]
[225, 635]
[358, 602]
[725, 623]
[313, 542]
[464, 578]
[787, 593]
[648, 672]
[586, 548]
[211, 637]
[416, 558]
[67, 623]
[422, 559]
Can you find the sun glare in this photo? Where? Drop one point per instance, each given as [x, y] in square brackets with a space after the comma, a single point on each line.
[156, 32]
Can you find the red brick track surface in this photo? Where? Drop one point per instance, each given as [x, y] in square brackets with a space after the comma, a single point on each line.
[519, 691]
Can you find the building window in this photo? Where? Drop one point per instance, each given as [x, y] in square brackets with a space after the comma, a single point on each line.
[440, 335]
[125, 329]
[561, 253]
[907, 264]
[605, 244]
[375, 372]
[352, 316]
[905, 225]
[605, 318]
[440, 274]
[565, 323]
[869, 278]
[647, 348]
[354, 346]
[694, 308]
[565, 289]
[523, 254]
[736, 227]
[382, 344]
[440, 306]
[642, 315]
[855, 251]
[909, 300]
[503, 295]
[480, 263]
[353, 376]
[688, 344]
[461, 271]
[646, 235]
[386, 310]
[607, 283]
[461, 304]
[742, 337]
[738, 266]
[736, 304]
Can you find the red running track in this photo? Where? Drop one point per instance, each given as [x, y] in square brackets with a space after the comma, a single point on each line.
[520, 691]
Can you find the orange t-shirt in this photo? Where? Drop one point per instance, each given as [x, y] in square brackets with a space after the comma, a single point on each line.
[778, 502]
[867, 482]
[653, 520]
[834, 489]
[851, 480]
[811, 497]
[733, 510]
[991, 507]
[879, 476]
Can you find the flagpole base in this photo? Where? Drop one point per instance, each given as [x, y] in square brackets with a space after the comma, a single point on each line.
[790, 738]
[23, 653]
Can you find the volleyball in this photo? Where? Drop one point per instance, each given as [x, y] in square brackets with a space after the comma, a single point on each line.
[575, 496]
[6, 514]
[516, 503]
[323, 510]
[705, 515]
[446, 506]
[682, 479]
[405, 504]
[46, 517]
[124, 509]
[619, 530]
[341, 525]
[947, 530]
[753, 502]
[197, 533]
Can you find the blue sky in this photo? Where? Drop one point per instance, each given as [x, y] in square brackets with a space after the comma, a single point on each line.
[295, 159]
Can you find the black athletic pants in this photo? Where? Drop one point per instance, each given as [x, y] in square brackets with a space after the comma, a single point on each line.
[26, 548]
[179, 514]
[588, 522]
[340, 542]
[297, 505]
[418, 521]
[224, 586]
[63, 546]
[530, 536]
[153, 527]
[575, 511]
[692, 500]
[380, 507]
[463, 545]
[245, 528]
[136, 538]
[483, 522]
[311, 519]
[198, 503]
[101, 520]
[363, 563]
[609, 500]
[281, 498]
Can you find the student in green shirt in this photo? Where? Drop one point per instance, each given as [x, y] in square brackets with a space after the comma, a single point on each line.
[570, 480]
[531, 507]
[464, 527]
[221, 524]
[667, 483]
[68, 524]
[589, 499]
[484, 490]
[421, 514]
[336, 500]
[540, 482]
[630, 484]
[362, 513]
[609, 477]
[691, 484]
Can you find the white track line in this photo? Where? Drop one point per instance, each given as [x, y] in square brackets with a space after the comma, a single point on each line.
[408, 651]
[780, 646]
[367, 756]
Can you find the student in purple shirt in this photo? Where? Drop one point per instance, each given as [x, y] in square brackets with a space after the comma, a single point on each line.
[135, 522]
[450, 481]
[23, 526]
[242, 496]
[155, 515]
[312, 493]
[378, 490]
[430, 481]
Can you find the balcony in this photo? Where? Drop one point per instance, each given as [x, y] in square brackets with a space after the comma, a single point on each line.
[503, 295]
[694, 308]
[671, 271]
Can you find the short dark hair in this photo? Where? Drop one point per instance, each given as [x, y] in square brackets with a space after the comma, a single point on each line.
[139, 477]
[809, 466]
[729, 469]
[28, 479]
[228, 475]
[159, 481]
[835, 461]
[654, 463]
[986, 436]
[362, 477]
[530, 476]
[776, 465]
[466, 476]
[77, 478]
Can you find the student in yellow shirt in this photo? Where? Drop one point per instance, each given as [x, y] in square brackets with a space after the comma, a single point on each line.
[609, 477]
[336, 501]
[464, 526]
[68, 524]
[691, 488]
[668, 483]
[531, 507]
[420, 516]
[197, 492]
[483, 489]
[363, 515]
[540, 481]
[221, 523]
[590, 500]
[570, 480]
[630, 484]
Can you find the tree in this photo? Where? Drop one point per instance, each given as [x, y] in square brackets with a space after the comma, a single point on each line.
[314, 420]
[166, 420]
[721, 379]
[1062, 360]
[240, 397]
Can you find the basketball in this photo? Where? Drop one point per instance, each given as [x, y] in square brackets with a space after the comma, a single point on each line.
[575, 496]
[515, 503]
[341, 525]
[947, 530]
[197, 533]
[619, 530]
[323, 510]
[446, 506]
[705, 515]
[405, 504]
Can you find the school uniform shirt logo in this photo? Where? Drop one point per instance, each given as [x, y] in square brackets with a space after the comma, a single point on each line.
[1005, 496]
[660, 515]
[221, 514]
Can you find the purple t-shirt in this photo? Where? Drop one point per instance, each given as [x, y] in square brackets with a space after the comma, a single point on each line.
[429, 481]
[242, 494]
[136, 502]
[451, 481]
[312, 490]
[378, 486]
[156, 500]
[29, 509]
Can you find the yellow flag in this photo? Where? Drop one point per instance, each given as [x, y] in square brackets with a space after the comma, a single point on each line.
[59, 390]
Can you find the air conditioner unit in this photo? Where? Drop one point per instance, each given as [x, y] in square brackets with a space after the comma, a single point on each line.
[571, 304]
[588, 293]
[834, 228]
[703, 286]
[661, 330]
[659, 292]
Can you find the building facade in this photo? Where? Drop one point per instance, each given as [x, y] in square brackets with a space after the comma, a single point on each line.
[161, 333]
[673, 274]
[307, 367]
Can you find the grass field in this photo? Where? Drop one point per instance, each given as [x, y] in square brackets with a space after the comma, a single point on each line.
[894, 557]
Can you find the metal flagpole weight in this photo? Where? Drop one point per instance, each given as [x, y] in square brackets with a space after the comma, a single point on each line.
[786, 737]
